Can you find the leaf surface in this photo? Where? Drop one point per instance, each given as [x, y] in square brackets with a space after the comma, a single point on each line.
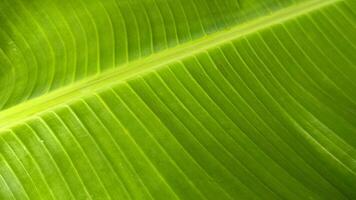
[163, 99]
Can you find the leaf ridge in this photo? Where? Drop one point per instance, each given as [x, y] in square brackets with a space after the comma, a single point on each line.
[63, 95]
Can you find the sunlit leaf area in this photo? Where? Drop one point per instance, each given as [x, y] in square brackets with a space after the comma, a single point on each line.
[177, 99]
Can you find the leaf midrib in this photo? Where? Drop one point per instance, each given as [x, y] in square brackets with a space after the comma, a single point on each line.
[23, 111]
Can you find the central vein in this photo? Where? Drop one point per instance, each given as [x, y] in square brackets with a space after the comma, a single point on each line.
[79, 89]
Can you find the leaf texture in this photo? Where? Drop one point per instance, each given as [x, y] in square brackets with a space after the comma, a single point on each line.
[163, 99]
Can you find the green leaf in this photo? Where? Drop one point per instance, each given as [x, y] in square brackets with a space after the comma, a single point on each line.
[177, 99]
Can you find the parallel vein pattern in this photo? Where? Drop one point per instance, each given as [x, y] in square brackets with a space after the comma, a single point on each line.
[268, 115]
[47, 44]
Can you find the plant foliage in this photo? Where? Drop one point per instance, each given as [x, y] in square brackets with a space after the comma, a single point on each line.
[177, 99]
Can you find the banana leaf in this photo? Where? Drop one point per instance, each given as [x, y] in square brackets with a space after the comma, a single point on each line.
[178, 99]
